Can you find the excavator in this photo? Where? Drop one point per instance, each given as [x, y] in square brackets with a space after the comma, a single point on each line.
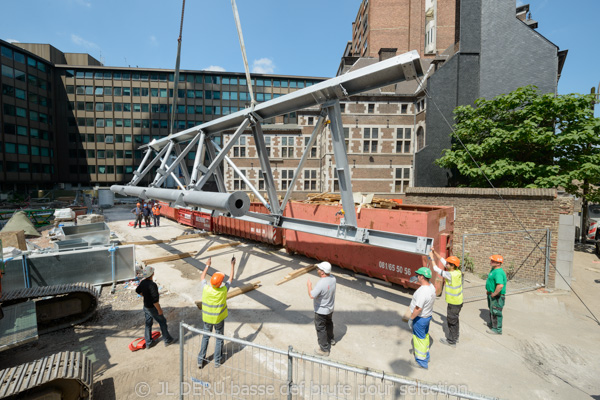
[29, 312]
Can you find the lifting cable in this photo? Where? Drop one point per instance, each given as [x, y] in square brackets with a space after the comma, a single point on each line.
[175, 92]
[243, 47]
[503, 200]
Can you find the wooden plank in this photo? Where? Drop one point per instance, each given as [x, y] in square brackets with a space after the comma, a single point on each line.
[297, 273]
[191, 236]
[143, 242]
[222, 246]
[234, 292]
[171, 257]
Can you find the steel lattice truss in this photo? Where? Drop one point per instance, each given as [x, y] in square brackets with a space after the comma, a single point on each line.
[237, 204]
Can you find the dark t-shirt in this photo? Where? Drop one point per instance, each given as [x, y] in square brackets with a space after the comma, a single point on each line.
[149, 290]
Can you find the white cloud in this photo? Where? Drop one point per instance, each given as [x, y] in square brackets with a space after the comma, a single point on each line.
[12, 41]
[214, 68]
[263, 66]
[85, 3]
[153, 40]
[79, 41]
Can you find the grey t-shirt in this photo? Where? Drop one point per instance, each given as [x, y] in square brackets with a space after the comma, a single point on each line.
[324, 295]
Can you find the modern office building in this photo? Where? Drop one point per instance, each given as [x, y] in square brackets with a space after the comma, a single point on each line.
[68, 119]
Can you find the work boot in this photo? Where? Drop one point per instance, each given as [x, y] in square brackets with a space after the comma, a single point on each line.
[493, 332]
[332, 342]
[172, 341]
[447, 343]
[321, 353]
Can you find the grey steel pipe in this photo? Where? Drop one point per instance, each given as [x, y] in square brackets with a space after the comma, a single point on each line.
[236, 203]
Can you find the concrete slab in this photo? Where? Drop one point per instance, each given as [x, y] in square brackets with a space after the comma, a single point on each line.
[547, 350]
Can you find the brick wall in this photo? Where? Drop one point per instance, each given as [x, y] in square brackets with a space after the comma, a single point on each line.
[483, 211]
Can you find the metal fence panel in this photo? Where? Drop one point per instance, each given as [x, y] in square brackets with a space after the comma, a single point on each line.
[251, 371]
[93, 265]
[526, 260]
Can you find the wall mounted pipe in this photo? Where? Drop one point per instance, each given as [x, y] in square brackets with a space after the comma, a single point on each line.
[237, 203]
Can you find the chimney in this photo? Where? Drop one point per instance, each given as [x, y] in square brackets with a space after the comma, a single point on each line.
[385, 53]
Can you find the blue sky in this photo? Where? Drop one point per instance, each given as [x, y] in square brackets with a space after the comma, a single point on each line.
[282, 36]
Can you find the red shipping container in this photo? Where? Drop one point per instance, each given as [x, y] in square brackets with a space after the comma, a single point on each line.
[185, 217]
[249, 230]
[202, 220]
[168, 211]
[378, 262]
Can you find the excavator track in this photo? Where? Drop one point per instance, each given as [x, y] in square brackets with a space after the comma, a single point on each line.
[59, 306]
[67, 375]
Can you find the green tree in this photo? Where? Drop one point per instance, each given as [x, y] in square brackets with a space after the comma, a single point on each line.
[528, 139]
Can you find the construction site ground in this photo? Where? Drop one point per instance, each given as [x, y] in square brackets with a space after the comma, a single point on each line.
[550, 348]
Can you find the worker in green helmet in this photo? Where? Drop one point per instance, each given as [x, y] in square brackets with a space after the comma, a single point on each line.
[421, 308]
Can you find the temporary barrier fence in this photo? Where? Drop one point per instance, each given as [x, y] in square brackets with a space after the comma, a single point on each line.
[526, 260]
[252, 371]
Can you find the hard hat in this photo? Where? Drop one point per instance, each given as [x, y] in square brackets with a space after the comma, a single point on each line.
[498, 258]
[145, 205]
[325, 267]
[453, 260]
[148, 271]
[426, 272]
[217, 279]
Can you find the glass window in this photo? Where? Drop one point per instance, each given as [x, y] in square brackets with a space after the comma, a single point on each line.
[70, 89]
[117, 76]
[137, 107]
[100, 106]
[21, 112]
[163, 92]
[136, 91]
[127, 138]
[21, 130]
[108, 90]
[89, 90]
[19, 57]
[199, 94]
[180, 109]
[23, 149]
[126, 76]
[108, 122]
[126, 91]
[31, 62]
[19, 75]
[144, 76]
[35, 151]
[10, 148]
[6, 52]
[126, 107]
[145, 107]
[135, 77]
[20, 94]
[145, 92]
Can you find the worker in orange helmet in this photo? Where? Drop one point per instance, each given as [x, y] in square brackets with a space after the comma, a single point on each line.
[454, 293]
[496, 289]
[214, 310]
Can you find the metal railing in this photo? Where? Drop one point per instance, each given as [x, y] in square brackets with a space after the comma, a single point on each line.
[252, 371]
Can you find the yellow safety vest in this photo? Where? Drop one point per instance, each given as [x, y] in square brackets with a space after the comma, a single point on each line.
[214, 304]
[454, 292]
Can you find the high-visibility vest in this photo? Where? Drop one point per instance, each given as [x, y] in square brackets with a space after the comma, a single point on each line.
[156, 211]
[454, 288]
[214, 304]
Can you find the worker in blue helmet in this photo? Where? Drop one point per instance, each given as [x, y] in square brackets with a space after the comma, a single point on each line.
[421, 308]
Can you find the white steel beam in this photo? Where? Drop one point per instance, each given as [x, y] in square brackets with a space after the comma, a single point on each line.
[404, 67]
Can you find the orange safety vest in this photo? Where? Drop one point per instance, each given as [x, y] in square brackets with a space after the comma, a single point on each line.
[156, 211]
